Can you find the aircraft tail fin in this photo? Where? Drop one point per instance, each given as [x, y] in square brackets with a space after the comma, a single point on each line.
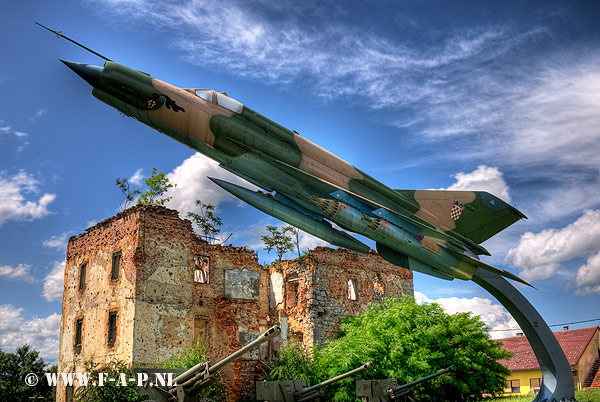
[476, 215]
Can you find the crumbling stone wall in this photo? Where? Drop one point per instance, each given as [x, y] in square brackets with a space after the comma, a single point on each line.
[162, 310]
[310, 296]
[174, 290]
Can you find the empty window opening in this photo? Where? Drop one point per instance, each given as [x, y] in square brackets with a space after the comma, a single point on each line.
[200, 331]
[115, 267]
[201, 266]
[291, 293]
[82, 275]
[352, 289]
[68, 393]
[112, 328]
[78, 334]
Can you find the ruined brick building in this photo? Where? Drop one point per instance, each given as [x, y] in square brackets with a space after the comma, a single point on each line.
[141, 286]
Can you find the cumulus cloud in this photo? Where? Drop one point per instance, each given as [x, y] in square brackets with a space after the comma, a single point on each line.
[42, 334]
[20, 272]
[494, 315]
[484, 178]
[538, 255]
[13, 203]
[192, 184]
[588, 276]
[57, 242]
[54, 282]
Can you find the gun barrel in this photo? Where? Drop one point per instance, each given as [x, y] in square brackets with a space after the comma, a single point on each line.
[364, 367]
[422, 379]
[268, 335]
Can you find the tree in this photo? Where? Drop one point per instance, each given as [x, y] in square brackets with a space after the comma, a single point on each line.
[15, 372]
[157, 185]
[118, 390]
[124, 184]
[296, 233]
[408, 341]
[278, 241]
[207, 221]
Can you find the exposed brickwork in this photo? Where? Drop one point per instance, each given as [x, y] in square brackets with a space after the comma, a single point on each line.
[163, 308]
[311, 296]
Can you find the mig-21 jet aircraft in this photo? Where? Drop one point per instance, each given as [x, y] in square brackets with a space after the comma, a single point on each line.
[435, 232]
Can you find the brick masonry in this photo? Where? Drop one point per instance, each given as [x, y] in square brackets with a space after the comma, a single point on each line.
[164, 303]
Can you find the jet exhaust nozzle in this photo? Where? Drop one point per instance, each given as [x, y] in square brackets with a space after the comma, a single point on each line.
[89, 72]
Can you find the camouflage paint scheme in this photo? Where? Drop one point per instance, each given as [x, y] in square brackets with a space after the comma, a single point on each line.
[430, 231]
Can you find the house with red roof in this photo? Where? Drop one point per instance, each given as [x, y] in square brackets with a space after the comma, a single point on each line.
[581, 346]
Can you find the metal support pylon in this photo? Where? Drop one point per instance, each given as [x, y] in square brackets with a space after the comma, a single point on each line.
[557, 379]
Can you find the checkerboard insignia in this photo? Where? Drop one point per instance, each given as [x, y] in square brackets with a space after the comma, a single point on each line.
[456, 210]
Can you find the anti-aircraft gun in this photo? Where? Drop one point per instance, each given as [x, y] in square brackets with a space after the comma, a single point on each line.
[296, 390]
[186, 386]
[388, 391]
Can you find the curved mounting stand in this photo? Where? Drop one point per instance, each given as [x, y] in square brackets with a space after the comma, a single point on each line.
[557, 380]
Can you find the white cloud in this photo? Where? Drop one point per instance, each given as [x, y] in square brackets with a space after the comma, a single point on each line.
[538, 255]
[192, 184]
[484, 178]
[41, 334]
[20, 272]
[308, 242]
[588, 275]
[57, 242]
[54, 282]
[137, 178]
[13, 204]
[494, 315]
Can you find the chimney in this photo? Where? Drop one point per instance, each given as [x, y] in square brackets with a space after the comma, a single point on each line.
[566, 328]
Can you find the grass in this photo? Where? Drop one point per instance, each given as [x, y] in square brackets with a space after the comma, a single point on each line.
[581, 396]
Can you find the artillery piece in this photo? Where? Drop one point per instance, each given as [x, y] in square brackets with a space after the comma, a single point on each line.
[186, 386]
[296, 390]
[388, 391]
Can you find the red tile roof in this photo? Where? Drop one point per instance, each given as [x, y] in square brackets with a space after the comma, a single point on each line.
[573, 342]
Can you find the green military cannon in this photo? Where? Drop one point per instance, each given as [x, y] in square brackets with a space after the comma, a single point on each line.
[388, 391]
[187, 385]
[296, 390]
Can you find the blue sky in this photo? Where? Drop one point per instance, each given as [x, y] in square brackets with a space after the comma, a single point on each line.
[496, 96]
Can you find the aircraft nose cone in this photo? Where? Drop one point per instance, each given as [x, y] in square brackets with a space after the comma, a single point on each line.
[90, 73]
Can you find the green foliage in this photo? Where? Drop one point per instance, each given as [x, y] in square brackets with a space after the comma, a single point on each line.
[157, 185]
[189, 359]
[120, 390]
[206, 220]
[293, 365]
[124, 186]
[278, 241]
[407, 341]
[13, 369]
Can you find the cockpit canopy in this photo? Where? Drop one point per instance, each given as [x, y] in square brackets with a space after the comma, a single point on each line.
[221, 99]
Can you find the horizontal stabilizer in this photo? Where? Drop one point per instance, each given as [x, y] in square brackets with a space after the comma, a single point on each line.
[481, 264]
